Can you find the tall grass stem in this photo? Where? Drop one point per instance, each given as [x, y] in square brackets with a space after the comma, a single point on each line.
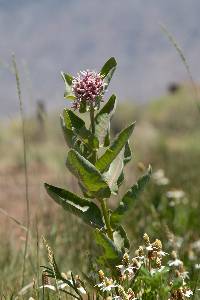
[17, 78]
[182, 56]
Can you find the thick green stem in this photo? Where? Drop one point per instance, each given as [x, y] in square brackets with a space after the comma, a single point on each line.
[106, 218]
[92, 118]
[94, 154]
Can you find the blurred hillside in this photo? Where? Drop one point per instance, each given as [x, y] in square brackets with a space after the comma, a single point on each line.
[171, 120]
[166, 135]
[93, 31]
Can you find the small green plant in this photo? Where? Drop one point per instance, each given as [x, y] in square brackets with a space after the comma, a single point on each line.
[98, 164]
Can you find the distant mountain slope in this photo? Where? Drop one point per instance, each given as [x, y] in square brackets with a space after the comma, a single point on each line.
[49, 36]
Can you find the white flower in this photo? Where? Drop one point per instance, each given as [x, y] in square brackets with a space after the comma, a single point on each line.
[124, 269]
[149, 248]
[184, 275]
[172, 203]
[179, 241]
[106, 286]
[196, 245]
[188, 293]
[140, 259]
[175, 194]
[197, 266]
[162, 253]
[159, 177]
[154, 271]
[175, 263]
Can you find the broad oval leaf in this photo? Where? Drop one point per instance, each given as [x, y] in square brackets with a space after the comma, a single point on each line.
[108, 70]
[102, 121]
[126, 159]
[72, 139]
[75, 129]
[72, 120]
[112, 256]
[103, 163]
[120, 238]
[68, 133]
[89, 177]
[129, 198]
[68, 86]
[114, 172]
[86, 210]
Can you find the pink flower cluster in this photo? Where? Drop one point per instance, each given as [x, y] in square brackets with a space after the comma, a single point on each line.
[87, 87]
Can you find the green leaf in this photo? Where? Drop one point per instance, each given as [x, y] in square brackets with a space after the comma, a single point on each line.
[75, 129]
[108, 70]
[89, 177]
[83, 107]
[69, 121]
[103, 163]
[115, 175]
[127, 158]
[112, 256]
[102, 121]
[86, 210]
[129, 198]
[88, 138]
[72, 120]
[114, 172]
[120, 239]
[127, 153]
[68, 134]
[68, 86]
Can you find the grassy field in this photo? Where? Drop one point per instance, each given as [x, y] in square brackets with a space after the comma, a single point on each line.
[166, 136]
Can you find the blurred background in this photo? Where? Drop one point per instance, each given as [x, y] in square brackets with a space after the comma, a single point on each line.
[152, 87]
[50, 36]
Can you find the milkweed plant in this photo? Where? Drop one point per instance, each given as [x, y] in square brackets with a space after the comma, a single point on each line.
[98, 164]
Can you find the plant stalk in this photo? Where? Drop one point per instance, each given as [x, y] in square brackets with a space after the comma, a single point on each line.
[16, 73]
[94, 153]
[106, 218]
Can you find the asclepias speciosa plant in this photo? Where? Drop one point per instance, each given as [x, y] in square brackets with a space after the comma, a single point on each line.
[97, 162]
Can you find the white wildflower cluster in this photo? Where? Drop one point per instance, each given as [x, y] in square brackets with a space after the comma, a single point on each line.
[181, 293]
[175, 262]
[196, 246]
[153, 255]
[126, 281]
[176, 197]
[179, 271]
[174, 242]
[106, 284]
[128, 268]
[197, 266]
[194, 252]
[160, 178]
[113, 289]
